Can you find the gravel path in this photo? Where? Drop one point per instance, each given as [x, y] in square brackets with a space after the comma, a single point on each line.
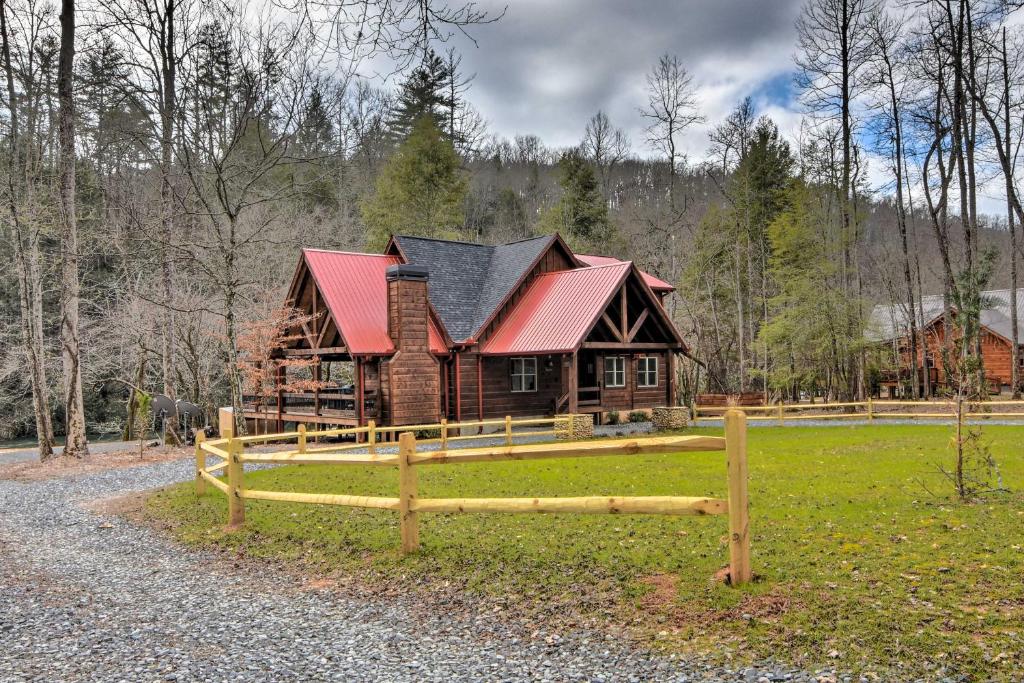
[32, 452]
[87, 597]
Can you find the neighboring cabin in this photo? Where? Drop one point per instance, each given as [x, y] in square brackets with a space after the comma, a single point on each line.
[890, 325]
[436, 328]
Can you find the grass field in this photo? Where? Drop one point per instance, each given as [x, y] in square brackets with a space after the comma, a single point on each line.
[866, 560]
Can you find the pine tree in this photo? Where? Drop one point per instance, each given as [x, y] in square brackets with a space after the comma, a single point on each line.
[581, 215]
[422, 94]
[420, 191]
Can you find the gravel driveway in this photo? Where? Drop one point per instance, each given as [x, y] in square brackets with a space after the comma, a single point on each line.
[87, 597]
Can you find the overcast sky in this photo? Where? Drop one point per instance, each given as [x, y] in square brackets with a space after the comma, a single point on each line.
[548, 65]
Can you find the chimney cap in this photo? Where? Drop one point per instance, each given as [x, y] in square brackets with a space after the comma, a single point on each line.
[406, 271]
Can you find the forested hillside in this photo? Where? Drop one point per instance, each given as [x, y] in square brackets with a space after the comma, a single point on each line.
[163, 163]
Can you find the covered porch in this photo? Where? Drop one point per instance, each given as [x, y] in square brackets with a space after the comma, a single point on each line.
[346, 392]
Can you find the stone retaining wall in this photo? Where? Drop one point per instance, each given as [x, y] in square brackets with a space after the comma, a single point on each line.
[674, 417]
[580, 427]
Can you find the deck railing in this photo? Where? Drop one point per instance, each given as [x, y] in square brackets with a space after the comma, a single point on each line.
[233, 456]
[870, 410]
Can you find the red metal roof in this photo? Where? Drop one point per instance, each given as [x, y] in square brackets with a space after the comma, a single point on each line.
[557, 310]
[657, 284]
[356, 292]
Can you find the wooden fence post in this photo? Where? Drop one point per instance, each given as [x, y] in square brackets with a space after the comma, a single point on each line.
[200, 464]
[508, 430]
[739, 522]
[444, 433]
[302, 438]
[371, 436]
[407, 493]
[871, 409]
[236, 505]
[782, 420]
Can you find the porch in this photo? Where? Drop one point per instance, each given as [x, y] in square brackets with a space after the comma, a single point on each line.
[346, 392]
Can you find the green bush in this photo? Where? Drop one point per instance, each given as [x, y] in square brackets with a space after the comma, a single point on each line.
[638, 416]
[613, 417]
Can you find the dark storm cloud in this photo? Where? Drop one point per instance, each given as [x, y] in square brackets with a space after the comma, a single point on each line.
[546, 67]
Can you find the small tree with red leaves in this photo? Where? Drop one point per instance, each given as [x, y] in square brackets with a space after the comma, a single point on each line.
[264, 368]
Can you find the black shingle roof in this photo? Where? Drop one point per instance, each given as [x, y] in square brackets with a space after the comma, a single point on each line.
[469, 281]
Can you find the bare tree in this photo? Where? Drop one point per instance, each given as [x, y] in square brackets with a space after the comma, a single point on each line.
[160, 34]
[605, 145]
[75, 444]
[890, 84]
[671, 109]
[730, 139]
[25, 232]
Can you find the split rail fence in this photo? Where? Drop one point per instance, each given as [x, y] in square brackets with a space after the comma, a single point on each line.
[408, 459]
[870, 410]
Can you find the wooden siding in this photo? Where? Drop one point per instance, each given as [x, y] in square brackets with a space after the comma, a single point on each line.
[995, 351]
[631, 396]
[499, 400]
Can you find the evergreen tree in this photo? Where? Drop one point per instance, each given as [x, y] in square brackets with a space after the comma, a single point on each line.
[422, 94]
[581, 215]
[762, 178]
[805, 335]
[421, 189]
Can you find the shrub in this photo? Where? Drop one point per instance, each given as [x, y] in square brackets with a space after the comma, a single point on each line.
[613, 417]
[638, 416]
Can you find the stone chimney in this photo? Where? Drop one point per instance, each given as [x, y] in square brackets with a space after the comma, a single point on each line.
[414, 379]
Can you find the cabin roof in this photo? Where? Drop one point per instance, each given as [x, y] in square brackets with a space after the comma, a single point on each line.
[467, 281]
[468, 284]
[557, 310]
[356, 293]
[655, 283]
[889, 322]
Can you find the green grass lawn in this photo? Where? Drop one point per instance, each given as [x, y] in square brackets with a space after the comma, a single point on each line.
[865, 559]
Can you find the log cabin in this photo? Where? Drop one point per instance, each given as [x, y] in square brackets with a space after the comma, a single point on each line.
[889, 326]
[435, 329]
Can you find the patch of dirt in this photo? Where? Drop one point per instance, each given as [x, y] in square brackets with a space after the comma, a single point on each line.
[128, 507]
[60, 468]
[661, 600]
[665, 588]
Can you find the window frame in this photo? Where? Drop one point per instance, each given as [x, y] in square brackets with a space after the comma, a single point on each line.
[528, 363]
[615, 373]
[644, 371]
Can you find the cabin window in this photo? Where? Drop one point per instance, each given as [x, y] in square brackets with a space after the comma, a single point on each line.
[524, 374]
[647, 371]
[615, 371]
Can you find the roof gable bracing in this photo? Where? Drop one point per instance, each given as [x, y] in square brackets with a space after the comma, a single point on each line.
[558, 310]
[355, 292]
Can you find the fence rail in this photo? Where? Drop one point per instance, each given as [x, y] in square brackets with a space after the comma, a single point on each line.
[870, 410]
[408, 503]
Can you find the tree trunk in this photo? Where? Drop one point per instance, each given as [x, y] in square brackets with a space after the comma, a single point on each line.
[75, 445]
[1011, 224]
[26, 258]
[168, 112]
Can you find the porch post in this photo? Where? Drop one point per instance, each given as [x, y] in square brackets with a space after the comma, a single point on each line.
[480, 389]
[360, 400]
[670, 378]
[279, 382]
[458, 389]
[574, 392]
